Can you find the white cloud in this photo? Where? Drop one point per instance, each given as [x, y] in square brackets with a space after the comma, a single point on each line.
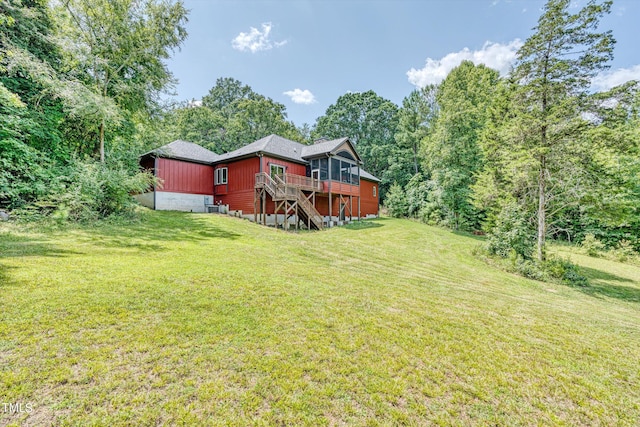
[494, 55]
[256, 40]
[300, 96]
[609, 79]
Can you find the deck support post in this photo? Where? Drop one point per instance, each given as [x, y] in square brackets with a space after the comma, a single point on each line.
[350, 208]
[286, 214]
[264, 207]
[255, 208]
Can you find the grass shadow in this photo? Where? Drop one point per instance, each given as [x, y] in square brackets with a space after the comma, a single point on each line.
[365, 224]
[153, 228]
[600, 284]
[478, 237]
[4, 275]
[19, 246]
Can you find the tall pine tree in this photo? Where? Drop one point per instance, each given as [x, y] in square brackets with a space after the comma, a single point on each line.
[553, 74]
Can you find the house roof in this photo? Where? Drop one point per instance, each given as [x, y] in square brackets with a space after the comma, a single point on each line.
[184, 150]
[322, 147]
[272, 144]
[366, 175]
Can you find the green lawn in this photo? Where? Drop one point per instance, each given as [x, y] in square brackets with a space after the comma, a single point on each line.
[190, 319]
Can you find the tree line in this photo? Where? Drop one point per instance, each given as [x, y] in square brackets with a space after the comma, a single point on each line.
[77, 76]
[535, 154]
[523, 157]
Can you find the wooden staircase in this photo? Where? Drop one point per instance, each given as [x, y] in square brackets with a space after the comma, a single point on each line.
[281, 191]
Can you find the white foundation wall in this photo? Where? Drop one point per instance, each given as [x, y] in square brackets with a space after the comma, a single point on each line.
[145, 199]
[167, 201]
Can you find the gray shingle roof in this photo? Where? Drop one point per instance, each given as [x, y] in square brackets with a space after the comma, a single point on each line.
[272, 144]
[366, 175]
[322, 147]
[184, 150]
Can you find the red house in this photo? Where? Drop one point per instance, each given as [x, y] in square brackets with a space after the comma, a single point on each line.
[273, 180]
[186, 173]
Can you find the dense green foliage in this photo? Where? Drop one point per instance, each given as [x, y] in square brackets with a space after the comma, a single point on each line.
[231, 115]
[370, 122]
[452, 153]
[65, 77]
[537, 150]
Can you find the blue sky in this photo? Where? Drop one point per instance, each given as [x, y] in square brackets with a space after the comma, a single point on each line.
[305, 54]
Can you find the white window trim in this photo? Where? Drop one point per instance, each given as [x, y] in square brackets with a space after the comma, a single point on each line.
[222, 176]
[275, 165]
[375, 194]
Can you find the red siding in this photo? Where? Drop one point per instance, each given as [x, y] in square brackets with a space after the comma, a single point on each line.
[185, 177]
[322, 205]
[290, 167]
[239, 191]
[342, 188]
[241, 177]
[369, 203]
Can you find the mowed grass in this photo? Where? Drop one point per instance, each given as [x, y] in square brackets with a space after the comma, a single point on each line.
[187, 319]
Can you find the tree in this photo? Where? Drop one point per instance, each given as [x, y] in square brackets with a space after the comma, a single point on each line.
[226, 94]
[499, 182]
[29, 67]
[200, 125]
[370, 122]
[415, 121]
[553, 72]
[396, 202]
[452, 154]
[118, 48]
[232, 115]
[257, 118]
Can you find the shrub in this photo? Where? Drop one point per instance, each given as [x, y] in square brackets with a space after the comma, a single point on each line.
[24, 173]
[591, 245]
[396, 202]
[624, 251]
[91, 190]
[512, 232]
[565, 271]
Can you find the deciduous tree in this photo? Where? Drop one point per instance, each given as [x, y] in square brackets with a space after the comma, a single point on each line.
[118, 48]
[370, 122]
[452, 154]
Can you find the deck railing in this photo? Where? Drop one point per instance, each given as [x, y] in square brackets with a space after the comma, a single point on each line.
[303, 182]
[279, 189]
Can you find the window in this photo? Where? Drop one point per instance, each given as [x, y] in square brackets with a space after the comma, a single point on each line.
[374, 191]
[322, 165]
[335, 169]
[276, 170]
[355, 179]
[324, 169]
[345, 172]
[221, 176]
